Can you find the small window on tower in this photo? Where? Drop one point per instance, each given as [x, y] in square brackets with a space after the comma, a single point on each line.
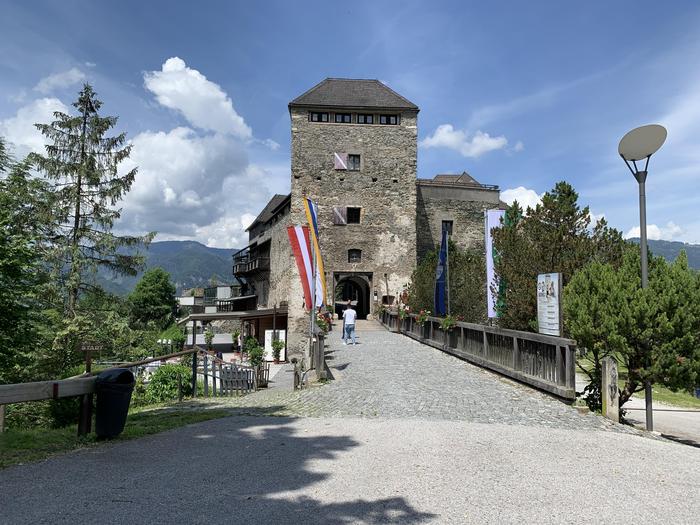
[390, 120]
[353, 163]
[354, 255]
[315, 116]
[343, 118]
[447, 226]
[365, 119]
[353, 215]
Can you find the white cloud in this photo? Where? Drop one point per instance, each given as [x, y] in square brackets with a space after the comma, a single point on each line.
[519, 146]
[670, 232]
[20, 130]
[59, 80]
[190, 186]
[202, 102]
[526, 197]
[274, 146]
[445, 136]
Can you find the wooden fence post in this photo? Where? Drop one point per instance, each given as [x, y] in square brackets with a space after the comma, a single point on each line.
[205, 366]
[194, 374]
[516, 354]
[2, 419]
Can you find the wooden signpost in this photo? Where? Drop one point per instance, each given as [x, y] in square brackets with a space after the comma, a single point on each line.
[86, 400]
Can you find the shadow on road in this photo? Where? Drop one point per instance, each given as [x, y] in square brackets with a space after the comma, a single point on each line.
[246, 468]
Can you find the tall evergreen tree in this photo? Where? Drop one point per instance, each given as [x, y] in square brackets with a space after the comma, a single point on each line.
[23, 202]
[83, 165]
[554, 237]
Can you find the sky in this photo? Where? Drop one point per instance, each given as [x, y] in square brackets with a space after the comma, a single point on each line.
[518, 94]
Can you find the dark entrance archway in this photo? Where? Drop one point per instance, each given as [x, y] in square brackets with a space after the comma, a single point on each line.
[354, 287]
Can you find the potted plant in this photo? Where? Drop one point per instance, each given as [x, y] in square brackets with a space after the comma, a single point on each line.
[421, 319]
[322, 322]
[277, 346]
[209, 338]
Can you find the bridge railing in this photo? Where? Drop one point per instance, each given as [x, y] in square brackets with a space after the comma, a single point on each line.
[542, 361]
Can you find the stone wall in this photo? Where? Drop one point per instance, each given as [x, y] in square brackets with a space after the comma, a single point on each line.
[384, 188]
[464, 206]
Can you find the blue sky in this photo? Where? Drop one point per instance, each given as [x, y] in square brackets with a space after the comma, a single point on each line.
[519, 94]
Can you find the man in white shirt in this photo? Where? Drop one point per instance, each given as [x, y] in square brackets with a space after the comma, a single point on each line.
[349, 316]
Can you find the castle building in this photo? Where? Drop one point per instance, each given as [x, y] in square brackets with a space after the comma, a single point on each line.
[354, 153]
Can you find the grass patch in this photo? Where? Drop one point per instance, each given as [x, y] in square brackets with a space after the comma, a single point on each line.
[23, 446]
[669, 397]
[660, 393]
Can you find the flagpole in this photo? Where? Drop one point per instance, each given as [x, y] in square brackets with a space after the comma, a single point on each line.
[447, 270]
[314, 271]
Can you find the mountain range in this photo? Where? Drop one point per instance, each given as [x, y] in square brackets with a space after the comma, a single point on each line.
[669, 250]
[189, 263]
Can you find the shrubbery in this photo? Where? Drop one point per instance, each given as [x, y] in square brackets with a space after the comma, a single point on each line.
[164, 383]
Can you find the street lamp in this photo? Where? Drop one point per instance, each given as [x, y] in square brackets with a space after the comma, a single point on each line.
[640, 144]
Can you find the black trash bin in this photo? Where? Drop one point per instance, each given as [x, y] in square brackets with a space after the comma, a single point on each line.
[113, 388]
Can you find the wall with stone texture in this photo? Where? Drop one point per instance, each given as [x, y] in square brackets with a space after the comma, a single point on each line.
[464, 206]
[385, 189]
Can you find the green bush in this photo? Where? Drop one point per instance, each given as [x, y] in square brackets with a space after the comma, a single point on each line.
[255, 351]
[163, 385]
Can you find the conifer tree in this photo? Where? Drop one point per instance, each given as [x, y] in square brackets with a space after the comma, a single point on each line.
[82, 164]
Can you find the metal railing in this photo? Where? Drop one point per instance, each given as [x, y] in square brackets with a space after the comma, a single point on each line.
[542, 361]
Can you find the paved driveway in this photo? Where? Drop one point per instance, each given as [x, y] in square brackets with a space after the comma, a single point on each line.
[406, 435]
[389, 375]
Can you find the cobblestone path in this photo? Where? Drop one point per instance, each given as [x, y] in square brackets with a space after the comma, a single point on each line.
[388, 375]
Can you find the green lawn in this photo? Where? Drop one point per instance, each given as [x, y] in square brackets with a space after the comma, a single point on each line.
[659, 393]
[22, 446]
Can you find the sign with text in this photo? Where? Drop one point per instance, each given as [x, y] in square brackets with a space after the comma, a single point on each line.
[86, 346]
[549, 303]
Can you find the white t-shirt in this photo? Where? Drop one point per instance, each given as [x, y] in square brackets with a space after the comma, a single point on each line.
[349, 316]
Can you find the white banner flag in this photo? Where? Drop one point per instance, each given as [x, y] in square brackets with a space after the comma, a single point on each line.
[492, 219]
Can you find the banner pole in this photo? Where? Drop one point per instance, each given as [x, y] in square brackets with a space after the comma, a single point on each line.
[447, 270]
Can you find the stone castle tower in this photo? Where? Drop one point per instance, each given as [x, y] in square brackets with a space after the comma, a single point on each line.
[353, 152]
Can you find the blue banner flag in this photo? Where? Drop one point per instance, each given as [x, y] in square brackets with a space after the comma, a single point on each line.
[441, 278]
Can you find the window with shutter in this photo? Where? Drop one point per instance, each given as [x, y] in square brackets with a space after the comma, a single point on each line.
[340, 161]
[340, 216]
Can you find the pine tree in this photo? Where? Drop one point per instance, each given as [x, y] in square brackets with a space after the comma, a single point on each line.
[83, 165]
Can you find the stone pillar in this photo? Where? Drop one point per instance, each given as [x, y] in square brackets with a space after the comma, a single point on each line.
[610, 391]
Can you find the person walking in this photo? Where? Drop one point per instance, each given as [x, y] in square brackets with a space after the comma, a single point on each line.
[349, 316]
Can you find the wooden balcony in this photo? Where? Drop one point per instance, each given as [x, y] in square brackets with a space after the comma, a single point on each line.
[246, 266]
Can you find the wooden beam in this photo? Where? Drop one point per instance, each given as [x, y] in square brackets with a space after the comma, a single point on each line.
[41, 390]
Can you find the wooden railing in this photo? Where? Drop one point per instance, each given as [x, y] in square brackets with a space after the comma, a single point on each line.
[545, 362]
[220, 379]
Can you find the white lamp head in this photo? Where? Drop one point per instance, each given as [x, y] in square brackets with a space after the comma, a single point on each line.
[642, 142]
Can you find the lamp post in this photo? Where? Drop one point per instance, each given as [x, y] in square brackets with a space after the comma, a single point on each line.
[637, 145]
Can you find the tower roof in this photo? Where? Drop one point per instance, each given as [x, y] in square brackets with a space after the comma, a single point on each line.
[352, 93]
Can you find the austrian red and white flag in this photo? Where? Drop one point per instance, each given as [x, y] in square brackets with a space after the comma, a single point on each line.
[301, 247]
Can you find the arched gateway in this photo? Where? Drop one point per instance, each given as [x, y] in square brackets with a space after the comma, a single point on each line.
[354, 287]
